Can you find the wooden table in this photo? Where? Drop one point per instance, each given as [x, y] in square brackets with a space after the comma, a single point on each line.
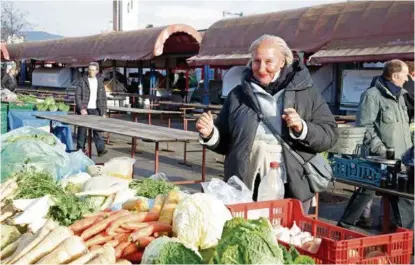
[191, 105]
[149, 112]
[145, 132]
[385, 193]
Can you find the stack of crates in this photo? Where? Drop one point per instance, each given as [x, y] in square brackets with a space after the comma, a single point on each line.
[3, 113]
[21, 106]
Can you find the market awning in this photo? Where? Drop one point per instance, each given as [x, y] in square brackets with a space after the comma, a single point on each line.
[4, 52]
[368, 54]
[143, 44]
[308, 29]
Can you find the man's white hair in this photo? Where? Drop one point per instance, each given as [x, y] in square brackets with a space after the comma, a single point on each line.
[278, 43]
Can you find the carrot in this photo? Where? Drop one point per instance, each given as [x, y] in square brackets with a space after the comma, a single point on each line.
[112, 243]
[122, 237]
[135, 217]
[100, 226]
[136, 225]
[94, 247]
[123, 230]
[131, 248]
[98, 239]
[143, 242]
[135, 257]
[149, 230]
[84, 223]
[120, 248]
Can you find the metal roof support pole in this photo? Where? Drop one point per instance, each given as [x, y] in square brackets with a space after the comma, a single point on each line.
[187, 85]
[114, 75]
[167, 66]
[206, 71]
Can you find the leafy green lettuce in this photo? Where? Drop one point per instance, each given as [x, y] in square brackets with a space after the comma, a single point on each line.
[247, 242]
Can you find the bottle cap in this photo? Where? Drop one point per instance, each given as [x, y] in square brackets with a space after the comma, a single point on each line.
[274, 165]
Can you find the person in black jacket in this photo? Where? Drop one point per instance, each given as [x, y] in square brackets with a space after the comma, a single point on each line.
[91, 99]
[409, 88]
[248, 145]
[9, 80]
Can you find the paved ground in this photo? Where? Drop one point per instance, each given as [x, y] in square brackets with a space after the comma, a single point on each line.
[332, 203]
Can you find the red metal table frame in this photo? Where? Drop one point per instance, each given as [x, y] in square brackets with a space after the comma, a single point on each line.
[90, 122]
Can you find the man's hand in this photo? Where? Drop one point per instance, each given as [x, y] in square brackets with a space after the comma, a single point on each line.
[293, 120]
[84, 112]
[204, 124]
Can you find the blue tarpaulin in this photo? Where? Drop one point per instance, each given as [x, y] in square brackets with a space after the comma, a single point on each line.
[20, 118]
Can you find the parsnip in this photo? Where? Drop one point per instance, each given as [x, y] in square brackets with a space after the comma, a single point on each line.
[39, 236]
[158, 204]
[106, 257]
[86, 258]
[6, 184]
[5, 216]
[70, 249]
[24, 240]
[10, 190]
[173, 198]
[9, 250]
[49, 243]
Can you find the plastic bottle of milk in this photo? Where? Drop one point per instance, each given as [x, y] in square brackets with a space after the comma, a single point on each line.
[271, 186]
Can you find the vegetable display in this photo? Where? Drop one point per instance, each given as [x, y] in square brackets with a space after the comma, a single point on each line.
[49, 104]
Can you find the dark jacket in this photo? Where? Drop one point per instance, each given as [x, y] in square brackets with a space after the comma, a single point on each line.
[409, 97]
[238, 121]
[82, 95]
[8, 82]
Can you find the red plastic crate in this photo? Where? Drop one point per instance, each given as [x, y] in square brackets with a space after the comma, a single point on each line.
[338, 245]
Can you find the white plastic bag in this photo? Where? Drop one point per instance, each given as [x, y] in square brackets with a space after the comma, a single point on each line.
[232, 192]
[119, 167]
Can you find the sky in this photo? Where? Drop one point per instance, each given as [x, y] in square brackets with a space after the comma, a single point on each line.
[82, 18]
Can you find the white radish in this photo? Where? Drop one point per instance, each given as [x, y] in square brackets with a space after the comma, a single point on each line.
[69, 250]
[39, 236]
[49, 243]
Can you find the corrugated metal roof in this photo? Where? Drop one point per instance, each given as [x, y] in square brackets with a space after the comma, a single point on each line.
[141, 44]
[4, 51]
[310, 29]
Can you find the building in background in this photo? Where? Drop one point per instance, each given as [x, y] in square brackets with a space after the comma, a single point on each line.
[125, 15]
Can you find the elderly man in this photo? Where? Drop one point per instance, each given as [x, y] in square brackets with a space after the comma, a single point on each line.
[91, 99]
[382, 110]
[9, 80]
[306, 124]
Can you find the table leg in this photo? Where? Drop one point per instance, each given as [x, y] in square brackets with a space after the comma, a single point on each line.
[134, 117]
[50, 127]
[149, 119]
[133, 147]
[90, 143]
[108, 134]
[386, 215]
[169, 125]
[156, 159]
[204, 164]
[184, 162]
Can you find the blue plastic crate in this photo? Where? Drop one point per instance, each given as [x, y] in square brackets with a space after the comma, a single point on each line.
[357, 169]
